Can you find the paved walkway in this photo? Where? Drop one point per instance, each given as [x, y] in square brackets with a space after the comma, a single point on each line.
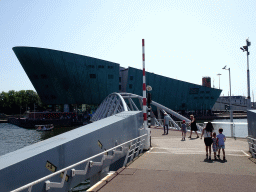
[175, 165]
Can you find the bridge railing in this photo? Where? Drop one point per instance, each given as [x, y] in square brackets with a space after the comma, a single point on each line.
[240, 129]
[179, 123]
[252, 146]
[135, 147]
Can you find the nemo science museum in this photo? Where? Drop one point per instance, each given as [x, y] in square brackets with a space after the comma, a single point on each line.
[62, 78]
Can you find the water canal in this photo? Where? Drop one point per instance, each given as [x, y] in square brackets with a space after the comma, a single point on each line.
[13, 138]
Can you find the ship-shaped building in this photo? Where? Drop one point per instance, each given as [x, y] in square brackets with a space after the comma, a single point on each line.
[66, 78]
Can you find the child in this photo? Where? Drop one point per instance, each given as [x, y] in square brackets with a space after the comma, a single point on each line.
[221, 142]
[183, 129]
[214, 145]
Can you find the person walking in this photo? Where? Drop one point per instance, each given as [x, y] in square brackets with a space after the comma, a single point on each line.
[193, 126]
[183, 130]
[221, 138]
[207, 133]
[214, 145]
[166, 123]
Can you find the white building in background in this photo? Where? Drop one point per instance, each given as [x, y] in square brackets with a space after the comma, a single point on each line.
[238, 103]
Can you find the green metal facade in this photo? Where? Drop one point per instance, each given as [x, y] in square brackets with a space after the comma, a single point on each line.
[172, 93]
[67, 78]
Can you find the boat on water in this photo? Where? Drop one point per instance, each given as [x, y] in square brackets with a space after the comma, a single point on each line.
[47, 127]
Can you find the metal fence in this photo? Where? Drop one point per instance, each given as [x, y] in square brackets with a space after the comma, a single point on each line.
[239, 129]
[252, 146]
[200, 126]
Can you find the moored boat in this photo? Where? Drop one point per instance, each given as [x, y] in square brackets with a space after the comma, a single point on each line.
[47, 127]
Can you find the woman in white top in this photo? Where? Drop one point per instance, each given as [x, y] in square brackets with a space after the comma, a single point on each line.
[207, 132]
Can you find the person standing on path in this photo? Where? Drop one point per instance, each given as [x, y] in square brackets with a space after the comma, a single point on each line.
[183, 130]
[193, 126]
[221, 142]
[214, 145]
[166, 123]
[207, 133]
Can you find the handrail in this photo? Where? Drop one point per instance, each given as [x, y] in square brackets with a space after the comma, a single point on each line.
[252, 146]
[251, 138]
[227, 122]
[74, 165]
[180, 122]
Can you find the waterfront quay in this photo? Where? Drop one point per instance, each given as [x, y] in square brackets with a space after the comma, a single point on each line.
[175, 165]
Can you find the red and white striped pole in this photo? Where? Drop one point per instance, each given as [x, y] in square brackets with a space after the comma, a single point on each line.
[144, 86]
[147, 143]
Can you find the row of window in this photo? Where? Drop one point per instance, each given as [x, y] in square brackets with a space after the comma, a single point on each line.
[47, 97]
[196, 91]
[130, 86]
[43, 76]
[99, 66]
[202, 97]
[93, 76]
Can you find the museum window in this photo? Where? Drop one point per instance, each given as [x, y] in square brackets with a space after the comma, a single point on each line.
[110, 76]
[43, 76]
[120, 87]
[120, 78]
[35, 76]
[206, 97]
[201, 91]
[93, 76]
[131, 77]
[130, 86]
[53, 97]
[193, 90]
[110, 67]
[207, 91]
[101, 66]
[46, 97]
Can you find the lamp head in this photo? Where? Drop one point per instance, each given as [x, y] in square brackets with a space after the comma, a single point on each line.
[224, 67]
[248, 43]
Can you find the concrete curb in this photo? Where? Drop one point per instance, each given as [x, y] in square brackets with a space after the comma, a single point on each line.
[105, 180]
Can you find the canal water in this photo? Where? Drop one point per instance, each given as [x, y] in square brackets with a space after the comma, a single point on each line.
[13, 138]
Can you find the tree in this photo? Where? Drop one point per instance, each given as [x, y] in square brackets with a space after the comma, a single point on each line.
[12, 102]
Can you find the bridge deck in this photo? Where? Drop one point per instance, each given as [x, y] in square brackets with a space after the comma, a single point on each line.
[175, 165]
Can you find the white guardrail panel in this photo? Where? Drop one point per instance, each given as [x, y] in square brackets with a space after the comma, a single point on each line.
[89, 164]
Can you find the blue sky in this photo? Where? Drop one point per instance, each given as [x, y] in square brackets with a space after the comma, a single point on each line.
[184, 39]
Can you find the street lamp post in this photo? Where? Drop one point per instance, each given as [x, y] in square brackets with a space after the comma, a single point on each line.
[230, 108]
[219, 79]
[149, 98]
[246, 48]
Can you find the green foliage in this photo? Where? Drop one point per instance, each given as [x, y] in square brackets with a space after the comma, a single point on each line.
[13, 102]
